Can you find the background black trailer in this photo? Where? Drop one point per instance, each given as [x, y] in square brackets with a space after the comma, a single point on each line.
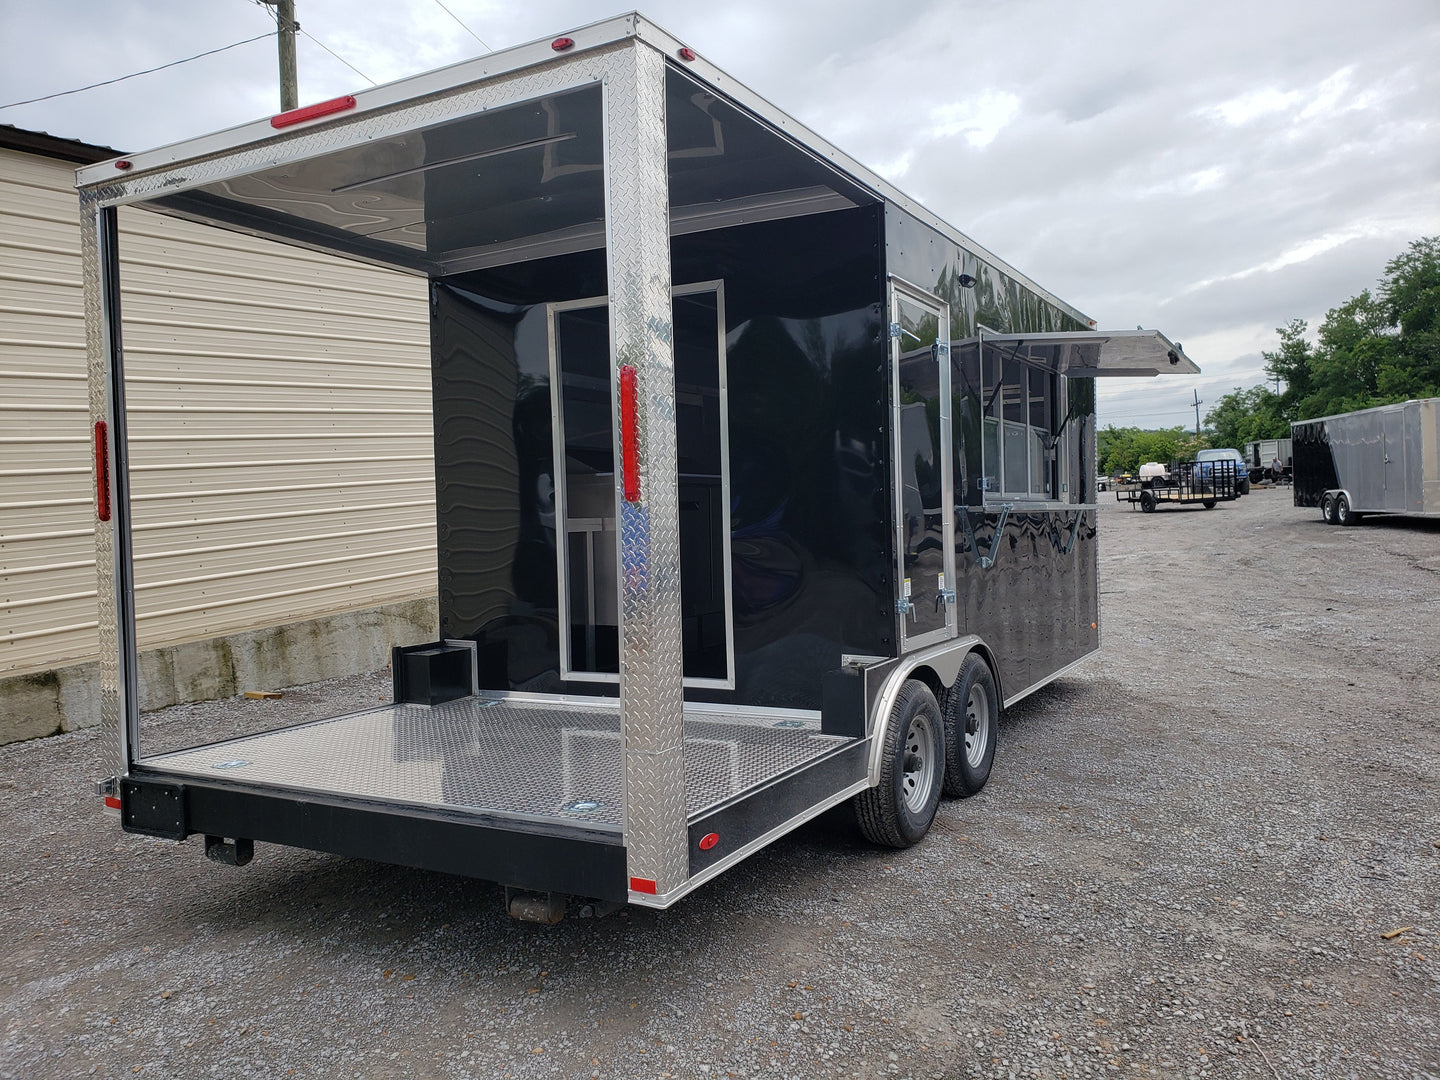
[1384, 460]
[759, 487]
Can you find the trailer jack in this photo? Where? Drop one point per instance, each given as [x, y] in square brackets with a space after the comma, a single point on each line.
[232, 853]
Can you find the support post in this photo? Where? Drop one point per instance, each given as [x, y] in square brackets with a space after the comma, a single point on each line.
[638, 261]
[285, 21]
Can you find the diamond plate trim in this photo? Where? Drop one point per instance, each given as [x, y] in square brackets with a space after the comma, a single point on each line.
[113, 757]
[638, 252]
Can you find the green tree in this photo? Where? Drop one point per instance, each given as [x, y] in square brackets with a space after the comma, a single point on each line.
[1293, 363]
[1243, 416]
[1409, 295]
[1126, 449]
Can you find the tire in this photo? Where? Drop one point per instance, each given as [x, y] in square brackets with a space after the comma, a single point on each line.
[1244, 487]
[972, 728]
[1147, 501]
[1343, 514]
[1208, 504]
[1327, 508]
[898, 811]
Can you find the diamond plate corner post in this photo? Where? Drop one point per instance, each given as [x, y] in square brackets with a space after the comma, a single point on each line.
[637, 225]
[113, 757]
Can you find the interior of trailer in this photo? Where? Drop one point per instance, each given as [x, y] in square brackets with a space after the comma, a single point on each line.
[777, 305]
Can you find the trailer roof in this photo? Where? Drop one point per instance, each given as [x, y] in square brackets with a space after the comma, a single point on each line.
[264, 146]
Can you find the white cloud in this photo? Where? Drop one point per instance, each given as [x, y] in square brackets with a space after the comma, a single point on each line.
[980, 118]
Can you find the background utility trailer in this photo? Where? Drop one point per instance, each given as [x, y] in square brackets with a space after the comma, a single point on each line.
[1189, 483]
[742, 460]
[1384, 460]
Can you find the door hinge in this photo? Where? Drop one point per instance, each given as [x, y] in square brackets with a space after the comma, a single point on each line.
[894, 330]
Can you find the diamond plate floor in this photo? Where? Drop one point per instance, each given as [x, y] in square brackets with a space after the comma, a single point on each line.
[531, 760]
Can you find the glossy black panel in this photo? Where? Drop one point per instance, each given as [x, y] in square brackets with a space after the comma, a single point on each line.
[1314, 462]
[809, 496]
[920, 255]
[1025, 577]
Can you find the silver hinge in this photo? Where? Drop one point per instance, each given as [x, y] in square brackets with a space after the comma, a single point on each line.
[903, 605]
[948, 595]
[894, 329]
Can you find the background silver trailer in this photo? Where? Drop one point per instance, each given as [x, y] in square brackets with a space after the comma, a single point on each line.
[1262, 454]
[1384, 460]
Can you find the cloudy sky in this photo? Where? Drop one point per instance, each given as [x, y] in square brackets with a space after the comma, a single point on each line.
[1210, 170]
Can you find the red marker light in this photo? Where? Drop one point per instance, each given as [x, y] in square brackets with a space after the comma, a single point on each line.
[112, 803]
[629, 434]
[102, 472]
[123, 164]
[560, 44]
[310, 112]
[686, 53]
[640, 884]
[709, 840]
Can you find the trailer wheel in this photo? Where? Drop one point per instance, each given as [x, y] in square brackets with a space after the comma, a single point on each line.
[1343, 514]
[1147, 501]
[1327, 508]
[898, 811]
[972, 728]
[1208, 504]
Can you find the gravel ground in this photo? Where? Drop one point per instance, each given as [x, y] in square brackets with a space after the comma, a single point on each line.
[1188, 863]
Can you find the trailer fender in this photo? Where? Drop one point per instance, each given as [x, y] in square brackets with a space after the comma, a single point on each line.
[941, 663]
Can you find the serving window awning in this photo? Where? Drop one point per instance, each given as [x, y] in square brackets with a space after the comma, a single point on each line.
[1094, 354]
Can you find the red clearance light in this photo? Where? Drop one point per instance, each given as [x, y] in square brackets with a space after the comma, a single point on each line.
[560, 44]
[111, 802]
[709, 840]
[686, 53]
[629, 434]
[123, 164]
[640, 884]
[102, 472]
[310, 112]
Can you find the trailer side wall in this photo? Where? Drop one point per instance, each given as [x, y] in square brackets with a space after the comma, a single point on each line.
[1036, 606]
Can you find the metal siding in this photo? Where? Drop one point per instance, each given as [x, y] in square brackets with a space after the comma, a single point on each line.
[279, 406]
[47, 547]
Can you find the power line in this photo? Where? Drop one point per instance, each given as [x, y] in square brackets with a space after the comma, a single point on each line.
[270, 11]
[136, 74]
[337, 56]
[467, 29]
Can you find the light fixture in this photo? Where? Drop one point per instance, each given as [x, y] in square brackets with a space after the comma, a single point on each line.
[965, 281]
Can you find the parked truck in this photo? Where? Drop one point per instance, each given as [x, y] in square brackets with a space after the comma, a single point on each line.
[1384, 460]
[759, 488]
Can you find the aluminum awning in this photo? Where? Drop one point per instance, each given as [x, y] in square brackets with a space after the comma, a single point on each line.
[1094, 354]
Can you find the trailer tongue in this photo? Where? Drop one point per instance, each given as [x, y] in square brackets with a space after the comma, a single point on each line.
[758, 487]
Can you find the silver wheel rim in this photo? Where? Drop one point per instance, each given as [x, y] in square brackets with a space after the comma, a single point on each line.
[977, 726]
[918, 776]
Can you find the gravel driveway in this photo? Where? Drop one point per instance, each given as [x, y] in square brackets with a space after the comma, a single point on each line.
[1192, 860]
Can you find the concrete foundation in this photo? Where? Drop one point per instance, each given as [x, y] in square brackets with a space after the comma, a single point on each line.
[346, 643]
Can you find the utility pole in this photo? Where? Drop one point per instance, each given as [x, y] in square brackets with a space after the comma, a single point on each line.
[1198, 403]
[285, 20]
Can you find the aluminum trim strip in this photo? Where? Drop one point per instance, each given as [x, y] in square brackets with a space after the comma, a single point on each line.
[664, 900]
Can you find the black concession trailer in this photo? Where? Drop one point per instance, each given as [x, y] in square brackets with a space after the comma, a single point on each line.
[758, 488]
[1384, 460]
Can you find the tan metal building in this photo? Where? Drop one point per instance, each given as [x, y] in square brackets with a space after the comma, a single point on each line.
[234, 583]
